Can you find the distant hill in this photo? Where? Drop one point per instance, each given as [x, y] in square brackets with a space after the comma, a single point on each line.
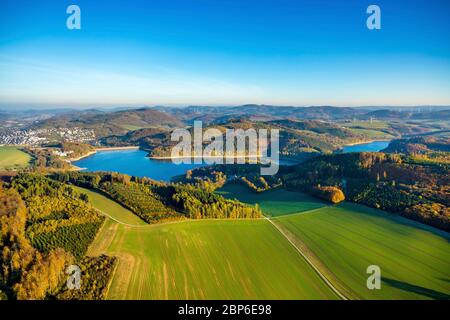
[319, 127]
[419, 145]
[437, 115]
[297, 138]
[261, 112]
[112, 123]
[256, 112]
[386, 114]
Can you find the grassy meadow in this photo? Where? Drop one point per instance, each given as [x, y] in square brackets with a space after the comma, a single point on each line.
[375, 124]
[203, 259]
[273, 202]
[111, 208]
[12, 158]
[251, 259]
[370, 129]
[372, 133]
[414, 258]
[345, 239]
[208, 260]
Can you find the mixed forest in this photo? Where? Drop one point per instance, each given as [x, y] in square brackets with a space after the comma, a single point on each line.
[45, 227]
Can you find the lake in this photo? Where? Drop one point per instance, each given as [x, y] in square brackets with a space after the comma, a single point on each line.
[373, 146]
[136, 163]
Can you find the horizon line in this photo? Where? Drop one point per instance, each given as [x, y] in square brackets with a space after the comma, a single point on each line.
[181, 106]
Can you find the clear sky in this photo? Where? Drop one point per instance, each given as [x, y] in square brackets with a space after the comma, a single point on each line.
[224, 52]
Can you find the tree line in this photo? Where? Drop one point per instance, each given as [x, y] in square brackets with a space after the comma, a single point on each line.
[45, 226]
[155, 201]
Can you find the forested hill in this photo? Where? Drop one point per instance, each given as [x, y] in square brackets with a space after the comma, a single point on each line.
[296, 137]
[421, 114]
[327, 113]
[156, 202]
[46, 226]
[108, 123]
[425, 145]
[391, 182]
[385, 181]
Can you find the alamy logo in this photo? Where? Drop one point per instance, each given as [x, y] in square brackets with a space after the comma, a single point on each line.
[374, 280]
[74, 279]
[374, 20]
[240, 146]
[74, 20]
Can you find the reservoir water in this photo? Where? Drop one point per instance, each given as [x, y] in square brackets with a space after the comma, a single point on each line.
[373, 146]
[136, 163]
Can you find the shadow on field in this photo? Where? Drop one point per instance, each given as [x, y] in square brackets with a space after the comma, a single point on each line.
[430, 293]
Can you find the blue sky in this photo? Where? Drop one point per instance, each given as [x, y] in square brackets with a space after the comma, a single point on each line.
[224, 52]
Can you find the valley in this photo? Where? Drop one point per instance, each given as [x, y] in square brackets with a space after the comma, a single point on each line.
[344, 199]
[204, 260]
[224, 159]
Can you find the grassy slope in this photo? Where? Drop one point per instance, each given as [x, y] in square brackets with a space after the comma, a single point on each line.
[211, 260]
[371, 130]
[205, 259]
[372, 133]
[414, 259]
[367, 124]
[13, 158]
[274, 202]
[112, 208]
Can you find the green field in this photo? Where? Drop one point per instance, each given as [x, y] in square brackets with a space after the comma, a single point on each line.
[209, 260]
[414, 259]
[251, 259]
[273, 202]
[12, 158]
[375, 124]
[111, 208]
[372, 133]
[204, 259]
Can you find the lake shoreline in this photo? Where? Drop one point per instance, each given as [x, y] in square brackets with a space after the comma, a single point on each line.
[202, 157]
[91, 153]
[133, 163]
[371, 146]
[366, 142]
[117, 148]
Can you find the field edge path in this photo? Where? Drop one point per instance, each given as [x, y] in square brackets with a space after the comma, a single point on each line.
[316, 269]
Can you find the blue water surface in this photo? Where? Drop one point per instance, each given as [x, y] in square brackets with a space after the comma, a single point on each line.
[136, 163]
[373, 146]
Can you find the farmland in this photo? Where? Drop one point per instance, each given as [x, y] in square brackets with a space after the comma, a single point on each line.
[370, 129]
[274, 202]
[374, 124]
[372, 133]
[414, 258]
[13, 158]
[211, 259]
[112, 208]
[345, 239]
[219, 259]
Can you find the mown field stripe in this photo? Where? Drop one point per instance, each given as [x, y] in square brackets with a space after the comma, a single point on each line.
[348, 238]
[321, 275]
[116, 211]
[301, 212]
[140, 281]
